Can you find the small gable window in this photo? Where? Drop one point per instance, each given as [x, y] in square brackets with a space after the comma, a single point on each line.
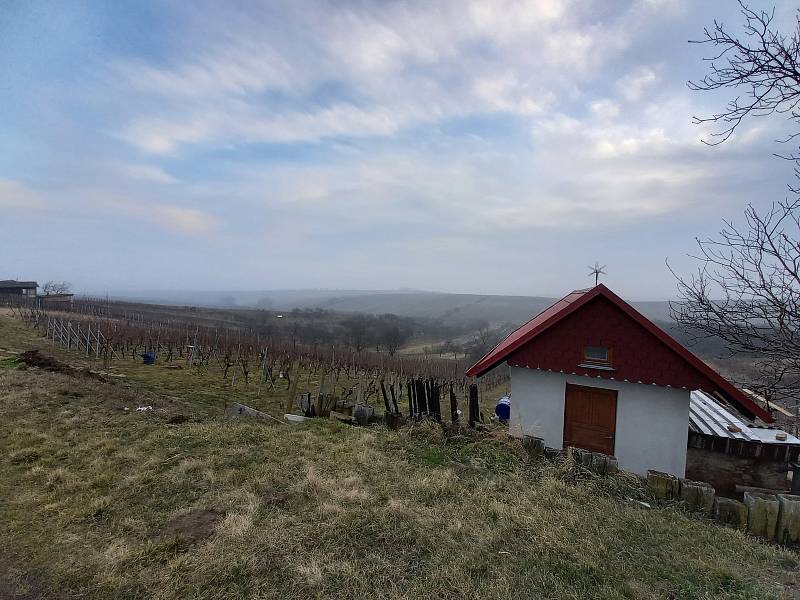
[598, 356]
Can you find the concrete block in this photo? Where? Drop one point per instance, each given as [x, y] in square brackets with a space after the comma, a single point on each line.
[580, 456]
[363, 413]
[697, 495]
[763, 510]
[663, 486]
[603, 464]
[788, 529]
[341, 417]
[533, 445]
[240, 410]
[730, 512]
[290, 418]
[553, 453]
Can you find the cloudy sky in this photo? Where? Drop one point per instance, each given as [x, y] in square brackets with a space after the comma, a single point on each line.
[494, 147]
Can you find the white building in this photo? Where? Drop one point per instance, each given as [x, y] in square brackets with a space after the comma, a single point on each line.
[592, 372]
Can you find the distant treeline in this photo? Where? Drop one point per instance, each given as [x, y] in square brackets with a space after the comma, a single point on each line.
[311, 326]
[386, 332]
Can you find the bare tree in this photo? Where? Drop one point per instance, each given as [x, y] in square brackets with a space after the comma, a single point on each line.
[746, 290]
[357, 332]
[391, 332]
[57, 287]
[763, 61]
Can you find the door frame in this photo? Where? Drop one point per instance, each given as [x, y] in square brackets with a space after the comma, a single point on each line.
[593, 388]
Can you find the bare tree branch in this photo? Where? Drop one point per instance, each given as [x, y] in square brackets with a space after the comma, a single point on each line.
[762, 62]
[746, 291]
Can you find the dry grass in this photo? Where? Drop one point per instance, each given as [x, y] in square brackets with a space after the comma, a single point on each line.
[96, 502]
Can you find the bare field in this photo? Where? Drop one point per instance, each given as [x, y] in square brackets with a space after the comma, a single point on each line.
[103, 502]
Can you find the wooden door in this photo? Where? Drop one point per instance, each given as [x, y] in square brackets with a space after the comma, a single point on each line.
[590, 418]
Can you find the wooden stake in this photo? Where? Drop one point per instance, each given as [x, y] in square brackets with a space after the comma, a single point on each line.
[474, 413]
[293, 386]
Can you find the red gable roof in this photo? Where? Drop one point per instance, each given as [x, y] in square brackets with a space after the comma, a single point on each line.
[654, 358]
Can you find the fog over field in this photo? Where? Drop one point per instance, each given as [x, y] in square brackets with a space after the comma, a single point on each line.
[452, 308]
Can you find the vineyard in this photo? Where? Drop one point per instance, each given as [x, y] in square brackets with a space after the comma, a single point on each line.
[313, 379]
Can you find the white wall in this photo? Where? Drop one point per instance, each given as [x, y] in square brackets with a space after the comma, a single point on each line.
[652, 421]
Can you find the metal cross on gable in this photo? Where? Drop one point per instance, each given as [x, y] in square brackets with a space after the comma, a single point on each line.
[596, 270]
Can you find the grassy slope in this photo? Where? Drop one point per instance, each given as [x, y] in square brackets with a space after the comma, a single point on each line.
[326, 510]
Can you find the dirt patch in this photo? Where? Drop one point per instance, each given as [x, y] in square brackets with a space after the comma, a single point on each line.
[192, 527]
[21, 457]
[34, 358]
[177, 419]
[271, 494]
[278, 497]
[17, 584]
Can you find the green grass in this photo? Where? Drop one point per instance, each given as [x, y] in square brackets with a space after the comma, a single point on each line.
[88, 490]
[10, 362]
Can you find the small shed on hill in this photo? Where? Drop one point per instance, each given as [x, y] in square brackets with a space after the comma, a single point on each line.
[56, 301]
[592, 372]
[12, 287]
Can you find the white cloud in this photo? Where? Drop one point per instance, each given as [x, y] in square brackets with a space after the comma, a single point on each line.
[633, 85]
[169, 217]
[147, 173]
[240, 68]
[163, 136]
[506, 93]
[183, 220]
[561, 185]
[605, 109]
[626, 141]
[397, 66]
[507, 19]
[15, 196]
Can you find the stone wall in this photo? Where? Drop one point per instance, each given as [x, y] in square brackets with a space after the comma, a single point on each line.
[726, 471]
[775, 517]
[726, 462]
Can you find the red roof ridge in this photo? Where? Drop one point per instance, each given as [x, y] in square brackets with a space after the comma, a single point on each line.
[538, 324]
[577, 298]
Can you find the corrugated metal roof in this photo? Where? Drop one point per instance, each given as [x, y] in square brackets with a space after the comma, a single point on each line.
[708, 416]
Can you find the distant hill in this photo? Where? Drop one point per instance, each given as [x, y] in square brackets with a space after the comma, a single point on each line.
[450, 309]
[461, 314]
[459, 308]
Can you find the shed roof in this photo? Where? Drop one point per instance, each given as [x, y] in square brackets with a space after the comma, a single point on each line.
[708, 416]
[12, 283]
[530, 330]
[575, 300]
